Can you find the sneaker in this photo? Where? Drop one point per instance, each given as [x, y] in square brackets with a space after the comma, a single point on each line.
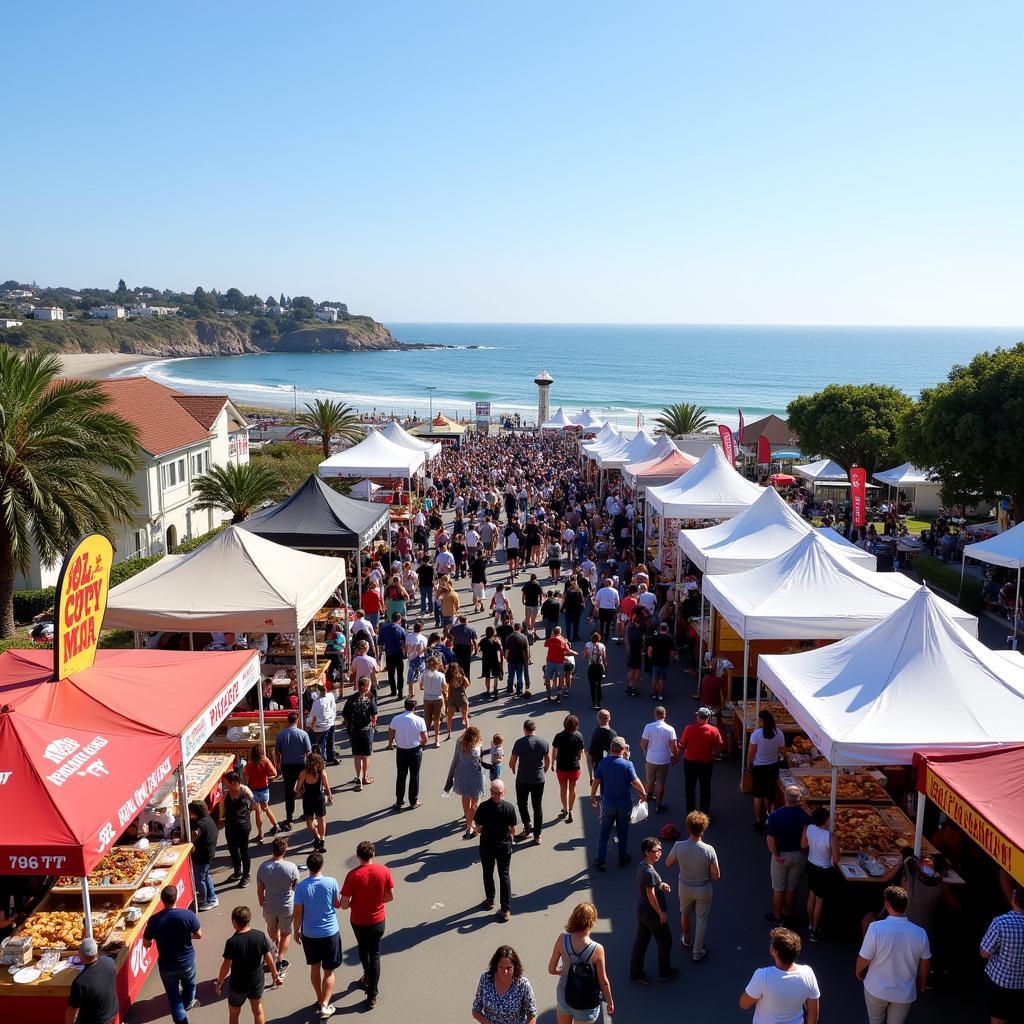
[504, 915]
[814, 935]
[699, 955]
[398, 805]
[687, 943]
[642, 980]
[371, 1002]
[210, 905]
[671, 976]
[234, 876]
[488, 904]
[246, 881]
[600, 865]
[327, 1011]
[568, 818]
[273, 831]
[283, 965]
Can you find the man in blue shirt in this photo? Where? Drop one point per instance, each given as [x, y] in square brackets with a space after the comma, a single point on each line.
[617, 778]
[317, 899]
[392, 641]
[173, 929]
[784, 831]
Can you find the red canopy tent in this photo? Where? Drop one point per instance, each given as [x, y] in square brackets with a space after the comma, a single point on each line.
[983, 794]
[782, 479]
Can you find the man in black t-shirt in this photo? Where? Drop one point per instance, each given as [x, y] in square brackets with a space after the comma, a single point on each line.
[517, 657]
[93, 995]
[245, 954]
[660, 651]
[495, 822]
[600, 741]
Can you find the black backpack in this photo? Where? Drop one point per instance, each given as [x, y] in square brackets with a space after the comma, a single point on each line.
[582, 991]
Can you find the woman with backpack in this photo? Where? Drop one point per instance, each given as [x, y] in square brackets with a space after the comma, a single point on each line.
[578, 963]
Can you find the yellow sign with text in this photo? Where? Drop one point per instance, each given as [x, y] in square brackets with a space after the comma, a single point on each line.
[81, 601]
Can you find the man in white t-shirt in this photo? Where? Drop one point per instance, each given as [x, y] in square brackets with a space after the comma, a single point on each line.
[787, 992]
[415, 651]
[322, 717]
[660, 751]
[444, 563]
[646, 599]
[606, 601]
[893, 962]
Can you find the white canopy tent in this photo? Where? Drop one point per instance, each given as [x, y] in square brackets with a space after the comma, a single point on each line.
[1005, 549]
[663, 445]
[395, 432]
[587, 420]
[558, 422]
[377, 456]
[236, 581]
[607, 432]
[711, 490]
[916, 681]
[615, 441]
[636, 448]
[820, 472]
[903, 476]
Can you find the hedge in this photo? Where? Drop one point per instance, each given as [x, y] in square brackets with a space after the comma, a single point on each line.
[945, 576]
[30, 603]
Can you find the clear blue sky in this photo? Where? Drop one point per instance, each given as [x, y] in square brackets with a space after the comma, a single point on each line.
[791, 162]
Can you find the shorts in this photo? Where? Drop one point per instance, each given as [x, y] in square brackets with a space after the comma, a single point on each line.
[433, 710]
[237, 999]
[821, 881]
[531, 609]
[324, 951]
[656, 774]
[587, 1016]
[660, 673]
[261, 796]
[572, 776]
[553, 670]
[634, 658]
[1004, 1003]
[278, 922]
[765, 778]
[314, 805]
[786, 876]
[362, 742]
[478, 591]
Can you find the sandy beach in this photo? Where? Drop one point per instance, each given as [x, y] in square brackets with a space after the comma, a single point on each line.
[97, 365]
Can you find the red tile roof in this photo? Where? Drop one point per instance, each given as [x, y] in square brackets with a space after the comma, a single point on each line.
[204, 408]
[777, 431]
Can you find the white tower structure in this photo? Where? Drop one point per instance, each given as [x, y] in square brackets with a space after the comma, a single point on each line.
[543, 380]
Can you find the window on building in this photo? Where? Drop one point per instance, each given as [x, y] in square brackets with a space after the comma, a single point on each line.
[173, 473]
[139, 542]
[200, 463]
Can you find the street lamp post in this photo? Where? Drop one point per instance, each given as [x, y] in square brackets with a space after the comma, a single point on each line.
[295, 400]
[430, 397]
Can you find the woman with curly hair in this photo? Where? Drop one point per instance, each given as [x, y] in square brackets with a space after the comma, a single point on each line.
[315, 790]
[503, 994]
[575, 946]
[458, 701]
[466, 775]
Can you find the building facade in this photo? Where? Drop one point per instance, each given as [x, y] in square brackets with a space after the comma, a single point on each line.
[48, 313]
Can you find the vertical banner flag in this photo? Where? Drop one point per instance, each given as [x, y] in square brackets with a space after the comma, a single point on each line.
[728, 446]
[858, 494]
[81, 600]
[764, 451]
[739, 433]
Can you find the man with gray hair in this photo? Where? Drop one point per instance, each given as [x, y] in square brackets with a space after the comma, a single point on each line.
[617, 778]
[93, 995]
[495, 823]
[784, 830]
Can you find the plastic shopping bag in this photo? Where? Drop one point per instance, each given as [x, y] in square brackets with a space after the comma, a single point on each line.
[639, 813]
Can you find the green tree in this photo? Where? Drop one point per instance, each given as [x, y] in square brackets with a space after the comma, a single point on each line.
[326, 419]
[302, 307]
[854, 424]
[967, 429]
[65, 460]
[683, 418]
[234, 299]
[237, 489]
[204, 301]
[294, 463]
[121, 286]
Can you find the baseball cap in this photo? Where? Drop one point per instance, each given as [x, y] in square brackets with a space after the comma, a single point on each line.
[703, 712]
[87, 948]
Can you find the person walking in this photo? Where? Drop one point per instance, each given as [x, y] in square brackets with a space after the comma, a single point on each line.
[494, 821]
[596, 654]
[659, 650]
[173, 929]
[568, 746]
[259, 770]
[236, 807]
[558, 650]
[572, 609]
[365, 891]
[532, 594]
[416, 643]
[618, 779]
[466, 775]
[651, 917]
[517, 660]
[246, 954]
[393, 642]
[290, 749]
[786, 992]
[784, 833]
[699, 745]
[204, 834]
[893, 962]
[93, 995]
[425, 577]
[606, 602]
[1002, 949]
[763, 763]
[456, 697]
[478, 581]
[464, 637]
[275, 889]
[317, 900]
[491, 659]
[503, 994]
[315, 790]
[822, 846]
[407, 732]
[661, 751]
[359, 716]
[698, 869]
[579, 964]
[530, 760]
[600, 745]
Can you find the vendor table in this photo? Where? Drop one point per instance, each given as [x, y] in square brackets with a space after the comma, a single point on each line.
[44, 1001]
[219, 744]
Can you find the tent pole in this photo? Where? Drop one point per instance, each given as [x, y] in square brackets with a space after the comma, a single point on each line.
[757, 696]
[963, 569]
[746, 661]
[348, 618]
[87, 907]
[300, 681]
[919, 825]
[135, 639]
[191, 642]
[832, 801]
[700, 641]
[1016, 612]
[186, 824]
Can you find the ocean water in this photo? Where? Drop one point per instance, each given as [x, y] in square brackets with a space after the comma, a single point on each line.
[618, 371]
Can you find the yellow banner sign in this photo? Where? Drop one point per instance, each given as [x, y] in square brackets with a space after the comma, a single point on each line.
[81, 601]
[1005, 853]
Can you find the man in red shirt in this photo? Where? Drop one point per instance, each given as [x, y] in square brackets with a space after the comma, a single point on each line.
[373, 604]
[626, 608]
[365, 891]
[698, 746]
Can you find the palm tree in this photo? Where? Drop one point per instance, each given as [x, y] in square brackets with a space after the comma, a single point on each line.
[683, 418]
[326, 420]
[239, 490]
[65, 464]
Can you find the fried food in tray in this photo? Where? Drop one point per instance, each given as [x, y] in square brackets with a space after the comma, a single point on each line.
[122, 868]
[62, 929]
[861, 829]
[857, 788]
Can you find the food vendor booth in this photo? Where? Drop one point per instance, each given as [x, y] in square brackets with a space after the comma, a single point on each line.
[916, 681]
[87, 740]
[237, 581]
[611, 460]
[607, 437]
[1007, 550]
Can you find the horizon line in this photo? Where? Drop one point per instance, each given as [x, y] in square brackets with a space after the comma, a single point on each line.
[668, 323]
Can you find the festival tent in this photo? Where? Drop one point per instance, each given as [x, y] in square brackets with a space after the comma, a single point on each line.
[395, 432]
[558, 422]
[665, 470]
[782, 480]
[821, 471]
[1005, 549]
[318, 518]
[982, 793]
[587, 420]
[904, 476]
[712, 489]
[633, 450]
[760, 533]
[663, 445]
[375, 456]
[608, 436]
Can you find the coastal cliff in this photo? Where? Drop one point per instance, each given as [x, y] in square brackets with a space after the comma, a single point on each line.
[175, 336]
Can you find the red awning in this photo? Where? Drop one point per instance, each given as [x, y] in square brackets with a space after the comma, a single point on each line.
[782, 479]
[983, 794]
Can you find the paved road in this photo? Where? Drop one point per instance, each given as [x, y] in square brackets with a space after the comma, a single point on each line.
[439, 939]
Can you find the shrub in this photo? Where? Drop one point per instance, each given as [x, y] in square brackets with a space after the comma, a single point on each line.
[29, 603]
[943, 576]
